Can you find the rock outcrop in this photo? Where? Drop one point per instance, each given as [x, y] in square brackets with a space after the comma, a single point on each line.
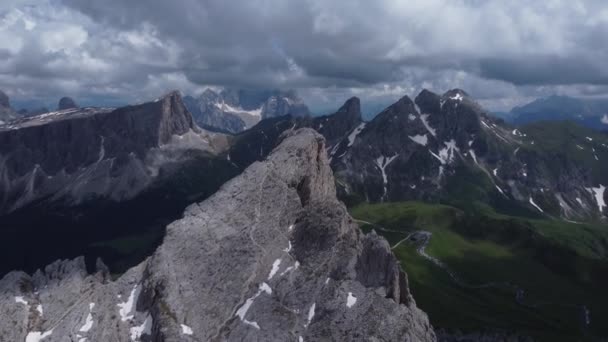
[75, 154]
[235, 110]
[272, 256]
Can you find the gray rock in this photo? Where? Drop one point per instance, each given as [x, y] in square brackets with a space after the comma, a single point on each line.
[272, 256]
[78, 153]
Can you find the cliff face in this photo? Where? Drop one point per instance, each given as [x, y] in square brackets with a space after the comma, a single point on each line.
[77, 153]
[272, 256]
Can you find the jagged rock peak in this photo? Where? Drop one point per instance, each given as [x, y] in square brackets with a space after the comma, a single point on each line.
[4, 100]
[352, 108]
[456, 92]
[66, 103]
[272, 256]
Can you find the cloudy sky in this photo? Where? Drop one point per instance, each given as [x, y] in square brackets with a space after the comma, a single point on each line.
[117, 51]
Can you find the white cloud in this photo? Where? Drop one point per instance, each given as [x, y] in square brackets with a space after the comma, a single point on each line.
[501, 52]
[605, 119]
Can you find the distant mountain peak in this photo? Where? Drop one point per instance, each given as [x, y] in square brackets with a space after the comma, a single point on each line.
[66, 103]
[234, 110]
[4, 100]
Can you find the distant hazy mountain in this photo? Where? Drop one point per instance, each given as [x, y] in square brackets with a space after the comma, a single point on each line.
[588, 112]
[66, 103]
[234, 110]
[6, 112]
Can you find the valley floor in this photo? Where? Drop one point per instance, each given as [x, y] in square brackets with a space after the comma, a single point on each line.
[490, 272]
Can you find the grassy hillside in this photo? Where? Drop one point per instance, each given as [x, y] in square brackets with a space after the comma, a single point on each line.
[489, 258]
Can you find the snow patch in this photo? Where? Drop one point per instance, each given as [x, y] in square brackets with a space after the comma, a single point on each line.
[411, 117]
[589, 139]
[495, 172]
[288, 249]
[353, 135]
[265, 288]
[458, 97]
[580, 147]
[428, 127]
[474, 156]
[599, 197]
[420, 139]
[350, 300]
[186, 330]
[89, 322]
[311, 313]
[242, 311]
[275, 268]
[382, 162]
[446, 154]
[20, 300]
[535, 205]
[126, 308]
[144, 329]
[500, 190]
[37, 336]
[39, 309]
[605, 119]
[290, 268]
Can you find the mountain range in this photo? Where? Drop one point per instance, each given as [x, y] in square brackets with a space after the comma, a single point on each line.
[234, 110]
[267, 232]
[592, 113]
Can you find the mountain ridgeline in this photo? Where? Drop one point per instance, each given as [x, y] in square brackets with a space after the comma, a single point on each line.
[267, 245]
[446, 148]
[235, 110]
[592, 113]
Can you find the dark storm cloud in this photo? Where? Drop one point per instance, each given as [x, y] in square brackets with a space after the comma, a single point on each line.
[498, 50]
[547, 70]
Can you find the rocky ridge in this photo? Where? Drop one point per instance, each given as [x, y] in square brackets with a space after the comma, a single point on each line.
[75, 154]
[273, 256]
[446, 148]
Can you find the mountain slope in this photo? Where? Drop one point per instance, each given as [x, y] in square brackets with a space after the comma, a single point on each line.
[587, 112]
[288, 265]
[446, 148]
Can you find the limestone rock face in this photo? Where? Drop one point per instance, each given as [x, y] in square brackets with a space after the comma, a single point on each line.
[272, 256]
[77, 153]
